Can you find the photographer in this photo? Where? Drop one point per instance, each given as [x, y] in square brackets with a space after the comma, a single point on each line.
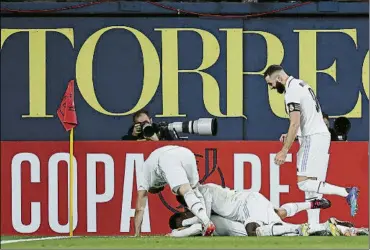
[339, 132]
[140, 119]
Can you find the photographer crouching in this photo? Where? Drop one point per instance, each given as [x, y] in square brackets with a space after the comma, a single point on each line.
[145, 129]
[143, 122]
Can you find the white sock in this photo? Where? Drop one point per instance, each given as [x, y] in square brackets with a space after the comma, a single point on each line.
[313, 215]
[317, 228]
[294, 208]
[321, 187]
[286, 228]
[196, 206]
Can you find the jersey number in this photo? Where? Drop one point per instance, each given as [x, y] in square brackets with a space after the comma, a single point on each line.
[315, 99]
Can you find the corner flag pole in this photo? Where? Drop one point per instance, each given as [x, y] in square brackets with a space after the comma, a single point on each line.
[71, 182]
[68, 117]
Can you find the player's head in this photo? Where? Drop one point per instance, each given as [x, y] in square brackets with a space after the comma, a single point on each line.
[251, 228]
[176, 219]
[276, 77]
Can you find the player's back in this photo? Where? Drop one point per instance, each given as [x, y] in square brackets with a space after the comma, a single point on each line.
[152, 160]
[150, 171]
[311, 118]
[225, 202]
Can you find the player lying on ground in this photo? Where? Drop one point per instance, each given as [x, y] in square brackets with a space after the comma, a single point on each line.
[306, 122]
[226, 227]
[175, 166]
[252, 208]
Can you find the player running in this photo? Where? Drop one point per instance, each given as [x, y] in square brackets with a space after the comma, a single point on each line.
[175, 166]
[307, 122]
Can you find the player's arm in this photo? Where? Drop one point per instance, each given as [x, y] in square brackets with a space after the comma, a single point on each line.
[190, 221]
[295, 121]
[193, 230]
[142, 196]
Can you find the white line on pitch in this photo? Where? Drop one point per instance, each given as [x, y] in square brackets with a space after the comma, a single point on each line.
[35, 239]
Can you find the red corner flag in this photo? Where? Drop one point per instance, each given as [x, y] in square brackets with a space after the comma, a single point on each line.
[66, 111]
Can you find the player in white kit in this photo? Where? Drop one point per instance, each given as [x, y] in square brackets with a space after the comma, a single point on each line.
[241, 212]
[226, 227]
[306, 122]
[175, 166]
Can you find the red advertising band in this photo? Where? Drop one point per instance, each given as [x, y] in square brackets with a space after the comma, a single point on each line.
[34, 183]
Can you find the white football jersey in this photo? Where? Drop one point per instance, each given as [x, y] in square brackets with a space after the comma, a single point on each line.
[149, 175]
[224, 202]
[300, 97]
[226, 227]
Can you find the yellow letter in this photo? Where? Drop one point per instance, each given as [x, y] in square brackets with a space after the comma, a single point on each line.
[170, 71]
[37, 65]
[365, 74]
[274, 55]
[84, 74]
[234, 69]
[307, 62]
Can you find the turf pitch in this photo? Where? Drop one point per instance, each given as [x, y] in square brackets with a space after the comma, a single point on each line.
[161, 242]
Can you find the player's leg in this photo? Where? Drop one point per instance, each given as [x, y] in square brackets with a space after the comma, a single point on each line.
[260, 209]
[279, 229]
[291, 209]
[226, 227]
[178, 179]
[313, 161]
[318, 229]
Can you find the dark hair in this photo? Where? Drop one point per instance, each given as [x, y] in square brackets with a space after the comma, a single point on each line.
[176, 220]
[325, 115]
[251, 228]
[138, 113]
[271, 69]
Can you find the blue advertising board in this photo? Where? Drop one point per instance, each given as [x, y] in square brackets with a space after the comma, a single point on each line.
[178, 68]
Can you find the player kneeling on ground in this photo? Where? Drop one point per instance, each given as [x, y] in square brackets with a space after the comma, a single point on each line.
[175, 166]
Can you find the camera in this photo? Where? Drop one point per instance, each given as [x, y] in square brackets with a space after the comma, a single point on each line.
[148, 129]
[342, 126]
[202, 126]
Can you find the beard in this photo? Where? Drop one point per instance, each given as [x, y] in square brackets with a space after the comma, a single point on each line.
[280, 88]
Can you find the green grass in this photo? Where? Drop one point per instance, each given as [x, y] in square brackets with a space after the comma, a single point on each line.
[195, 242]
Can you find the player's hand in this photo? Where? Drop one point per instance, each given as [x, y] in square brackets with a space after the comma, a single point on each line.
[152, 138]
[137, 129]
[283, 137]
[280, 157]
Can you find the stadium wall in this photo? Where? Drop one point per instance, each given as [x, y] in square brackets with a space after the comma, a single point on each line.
[126, 56]
[34, 183]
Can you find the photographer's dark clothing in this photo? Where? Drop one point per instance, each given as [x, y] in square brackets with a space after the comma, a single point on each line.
[164, 135]
[129, 136]
[333, 135]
